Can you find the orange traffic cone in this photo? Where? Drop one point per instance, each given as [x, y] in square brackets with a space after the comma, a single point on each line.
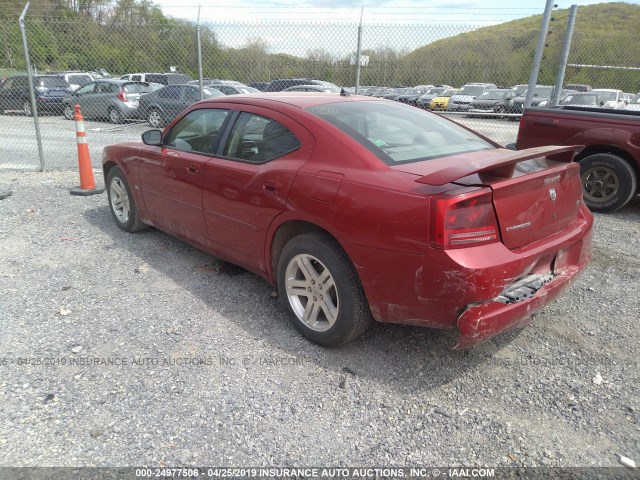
[87, 182]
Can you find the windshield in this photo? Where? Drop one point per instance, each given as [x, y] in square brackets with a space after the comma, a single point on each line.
[434, 91]
[542, 91]
[492, 95]
[607, 96]
[471, 90]
[398, 134]
[79, 79]
[581, 100]
[248, 89]
[449, 93]
[52, 82]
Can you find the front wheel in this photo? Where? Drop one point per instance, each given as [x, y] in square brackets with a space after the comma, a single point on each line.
[321, 291]
[154, 119]
[123, 208]
[69, 112]
[608, 182]
[26, 108]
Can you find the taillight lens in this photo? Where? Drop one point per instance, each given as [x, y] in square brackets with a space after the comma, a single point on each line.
[464, 220]
[122, 95]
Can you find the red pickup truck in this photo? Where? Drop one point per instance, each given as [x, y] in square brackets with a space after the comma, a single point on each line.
[610, 160]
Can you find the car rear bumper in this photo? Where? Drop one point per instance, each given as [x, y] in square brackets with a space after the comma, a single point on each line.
[468, 288]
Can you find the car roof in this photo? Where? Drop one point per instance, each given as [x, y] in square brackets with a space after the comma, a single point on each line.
[300, 100]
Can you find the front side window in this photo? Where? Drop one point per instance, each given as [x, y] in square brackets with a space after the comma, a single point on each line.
[86, 88]
[399, 134]
[170, 92]
[197, 131]
[258, 139]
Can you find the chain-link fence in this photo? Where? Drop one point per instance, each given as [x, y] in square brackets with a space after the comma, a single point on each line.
[91, 43]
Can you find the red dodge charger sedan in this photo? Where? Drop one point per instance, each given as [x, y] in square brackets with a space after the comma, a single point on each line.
[359, 209]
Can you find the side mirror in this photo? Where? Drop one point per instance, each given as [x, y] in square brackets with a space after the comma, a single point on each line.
[601, 103]
[152, 137]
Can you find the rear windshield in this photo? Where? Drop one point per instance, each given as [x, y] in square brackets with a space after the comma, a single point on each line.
[137, 88]
[79, 79]
[399, 134]
[52, 82]
[581, 100]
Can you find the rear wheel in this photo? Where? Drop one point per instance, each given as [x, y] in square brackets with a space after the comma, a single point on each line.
[321, 291]
[114, 115]
[123, 208]
[154, 119]
[608, 182]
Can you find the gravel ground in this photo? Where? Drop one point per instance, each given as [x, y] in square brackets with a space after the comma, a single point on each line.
[206, 370]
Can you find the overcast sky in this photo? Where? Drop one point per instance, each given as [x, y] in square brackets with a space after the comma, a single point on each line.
[378, 11]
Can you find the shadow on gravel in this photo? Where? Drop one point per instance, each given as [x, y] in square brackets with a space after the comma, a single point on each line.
[407, 358]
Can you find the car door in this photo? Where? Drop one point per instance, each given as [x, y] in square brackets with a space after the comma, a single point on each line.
[171, 176]
[246, 184]
[82, 97]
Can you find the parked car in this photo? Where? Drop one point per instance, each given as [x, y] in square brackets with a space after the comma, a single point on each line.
[410, 96]
[579, 87]
[546, 102]
[116, 100]
[161, 78]
[634, 103]
[519, 89]
[612, 98]
[461, 101]
[75, 79]
[442, 101]
[301, 189]
[163, 105]
[492, 101]
[312, 88]
[282, 83]
[540, 93]
[583, 99]
[609, 158]
[424, 100]
[262, 86]
[49, 92]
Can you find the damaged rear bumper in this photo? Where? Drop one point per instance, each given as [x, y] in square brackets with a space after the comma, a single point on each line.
[512, 309]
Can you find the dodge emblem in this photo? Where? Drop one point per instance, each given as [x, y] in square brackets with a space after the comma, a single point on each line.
[552, 194]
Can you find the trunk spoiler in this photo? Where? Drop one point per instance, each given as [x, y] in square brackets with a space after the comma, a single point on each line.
[499, 163]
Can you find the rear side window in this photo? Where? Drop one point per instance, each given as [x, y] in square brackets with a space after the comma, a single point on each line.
[397, 133]
[170, 92]
[258, 139]
[156, 79]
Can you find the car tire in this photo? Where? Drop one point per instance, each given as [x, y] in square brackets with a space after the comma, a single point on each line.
[154, 118]
[69, 112]
[26, 108]
[608, 182]
[121, 203]
[114, 115]
[320, 290]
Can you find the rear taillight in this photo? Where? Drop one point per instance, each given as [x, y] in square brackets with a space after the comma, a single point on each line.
[122, 95]
[464, 220]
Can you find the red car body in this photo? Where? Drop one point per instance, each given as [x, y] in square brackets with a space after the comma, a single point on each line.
[476, 241]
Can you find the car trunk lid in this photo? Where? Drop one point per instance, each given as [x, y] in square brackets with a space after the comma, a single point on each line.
[536, 192]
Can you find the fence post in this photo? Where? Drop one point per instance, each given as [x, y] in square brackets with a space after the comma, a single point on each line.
[358, 50]
[34, 108]
[564, 55]
[199, 46]
[537, 58]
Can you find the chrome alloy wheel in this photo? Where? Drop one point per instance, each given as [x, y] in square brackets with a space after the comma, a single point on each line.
[119, 200]
[312, 292]
[154, 119]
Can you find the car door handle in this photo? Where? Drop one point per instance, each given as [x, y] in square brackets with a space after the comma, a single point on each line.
[193, 169]
[271, 185]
